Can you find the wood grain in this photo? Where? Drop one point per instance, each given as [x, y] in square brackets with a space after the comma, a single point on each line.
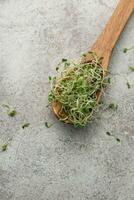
[108, 38]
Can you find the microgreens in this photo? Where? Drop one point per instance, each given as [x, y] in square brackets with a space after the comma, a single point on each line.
[11, 113]
[49, 78]
[64, 60]
[112, 135]
[76, 89]
[10, 110]
[48, 125]
[57, 68]
[118, 140]
[128, 85]
[4, 147]
[25, 125]
[108, 133]
[125, 50]
[113, 106]
[131, 68]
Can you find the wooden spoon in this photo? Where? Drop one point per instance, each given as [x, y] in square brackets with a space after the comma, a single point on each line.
[105, 43]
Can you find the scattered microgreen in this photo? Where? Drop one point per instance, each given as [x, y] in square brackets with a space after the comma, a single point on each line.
[118, 140]
[125, 50]
[84, 55]
[66, 64]
[113, 106]
[108, 133]
[48, 125]
[131, 68]
[112, 135]
[64, 60]
[128, 85]
[10, 110]
[76, 90]
[57, 68]
[25, 125]
[4, 147]
[49, 78]
[54, 78]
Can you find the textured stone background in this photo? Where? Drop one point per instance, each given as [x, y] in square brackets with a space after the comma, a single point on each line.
[62, 163]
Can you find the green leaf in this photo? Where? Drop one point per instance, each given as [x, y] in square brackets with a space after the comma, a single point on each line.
[113, 106]
[50, 78]
[128, 85]
[54, 78]
[4, 147]
[64, 60]
[66, 64]
[131, 68]
[108, 133]
[125, 50]
[57, 68]
[48, 125]
[50, 97]
[25, 125]
[11, 113]
[118, 140]
[10, 110]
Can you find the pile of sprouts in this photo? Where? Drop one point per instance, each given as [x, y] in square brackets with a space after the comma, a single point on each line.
[76, 89]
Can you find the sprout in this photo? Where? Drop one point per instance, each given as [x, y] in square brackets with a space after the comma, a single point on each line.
[76, 90]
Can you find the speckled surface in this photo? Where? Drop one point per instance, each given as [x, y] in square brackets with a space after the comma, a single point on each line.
[62, 163]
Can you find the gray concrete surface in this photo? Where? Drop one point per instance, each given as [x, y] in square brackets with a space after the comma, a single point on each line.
[62, 163]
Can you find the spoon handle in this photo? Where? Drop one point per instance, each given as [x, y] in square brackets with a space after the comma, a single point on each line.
[108, 38]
